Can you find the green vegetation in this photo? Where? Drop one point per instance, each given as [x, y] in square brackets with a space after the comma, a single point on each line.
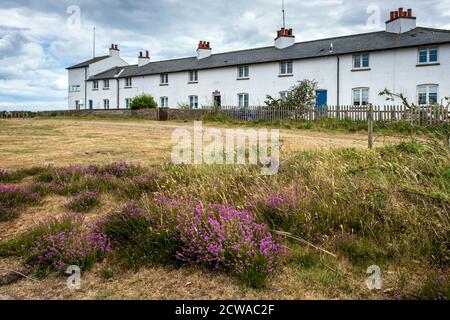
[143, 101]
[388, 206]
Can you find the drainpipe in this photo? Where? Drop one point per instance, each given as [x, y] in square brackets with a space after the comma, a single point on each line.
[338, 68]
[118, 94]
[85, 87]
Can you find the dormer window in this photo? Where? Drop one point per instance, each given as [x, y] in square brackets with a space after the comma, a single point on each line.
[428, 55]
[286, 69]
[105, 84]
[164, 79]
[361, 61]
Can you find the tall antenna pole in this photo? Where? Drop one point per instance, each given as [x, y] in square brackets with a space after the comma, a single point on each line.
[284, 19]
[93, 47]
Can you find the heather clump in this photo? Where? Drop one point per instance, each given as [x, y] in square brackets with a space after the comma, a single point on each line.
[139, 237]
[84, 202]
[226, 239]
[57, 249]
[13, 199]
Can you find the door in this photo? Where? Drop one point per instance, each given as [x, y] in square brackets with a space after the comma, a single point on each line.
[321, 98]
[91, 104]
[217, 101]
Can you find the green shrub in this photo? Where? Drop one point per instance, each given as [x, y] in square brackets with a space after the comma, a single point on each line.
[139, 238]
[143, 101]
[84, 202]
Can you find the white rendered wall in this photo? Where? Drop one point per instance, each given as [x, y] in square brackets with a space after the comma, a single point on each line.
[396, 70]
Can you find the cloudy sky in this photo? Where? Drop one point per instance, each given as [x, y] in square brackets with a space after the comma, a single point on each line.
[39, 39]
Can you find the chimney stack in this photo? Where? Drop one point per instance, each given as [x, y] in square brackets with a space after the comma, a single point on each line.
[204, 50]
[285, 38]
[401, 21]
[114, 50]
[143, 59]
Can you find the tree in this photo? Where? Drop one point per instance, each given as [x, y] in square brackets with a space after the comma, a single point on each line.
[391, 96]
[302, 96]
[143, 101]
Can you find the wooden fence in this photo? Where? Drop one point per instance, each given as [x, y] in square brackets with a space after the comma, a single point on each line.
[422, 115]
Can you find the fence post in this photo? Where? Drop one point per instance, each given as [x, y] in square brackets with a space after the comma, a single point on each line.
[370, 124]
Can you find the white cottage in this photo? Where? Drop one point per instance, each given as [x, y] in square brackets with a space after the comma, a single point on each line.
[350, 70]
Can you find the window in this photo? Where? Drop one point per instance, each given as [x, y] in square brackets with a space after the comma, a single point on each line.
[286, 68]
[164, 102]
[193, 102]
[285, 95]
[361, 61]
[74, 88]
[427, 94]
[164, 79]
[243, 100]
[106, 104]
[193, 76]
[95, 85]
[128, 82]
[243, 72]
[361, 96]
[127, 103]
[105, 84]
[428, 55]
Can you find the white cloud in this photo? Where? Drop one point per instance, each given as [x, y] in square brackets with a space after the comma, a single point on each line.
[36, 44]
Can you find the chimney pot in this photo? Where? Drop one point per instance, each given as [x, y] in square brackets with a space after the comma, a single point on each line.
[147, 54]
[409, 12]
[395, 14]
[400, 12]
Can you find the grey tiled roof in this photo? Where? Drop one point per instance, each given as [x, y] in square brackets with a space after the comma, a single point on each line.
[87, 62]
[302, 50]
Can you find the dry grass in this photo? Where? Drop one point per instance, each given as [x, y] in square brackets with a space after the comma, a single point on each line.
[62, 142]
[38, 142]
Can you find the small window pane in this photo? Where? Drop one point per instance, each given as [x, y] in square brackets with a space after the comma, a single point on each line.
[365, 96]
[357, 62]
[433, 55]
[357, 97]
[289, 67]
[423, 56]
[365, 61]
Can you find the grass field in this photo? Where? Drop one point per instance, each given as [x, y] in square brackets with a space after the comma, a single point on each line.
[388, 207]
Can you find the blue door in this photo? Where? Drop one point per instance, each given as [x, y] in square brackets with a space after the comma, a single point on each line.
[91, 104]
[321, 98]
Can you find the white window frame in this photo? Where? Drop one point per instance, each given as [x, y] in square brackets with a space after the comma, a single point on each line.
[164, 79]
[164, 102]
[428, 49]
[95, 85]
[193, 102]
[243, 100]
[243, 72]
[106, 84]
[284, 68]
[128, 82]
[361, 61]
[105, 103]
[427, 88]
[361, 90]
[193, 76]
